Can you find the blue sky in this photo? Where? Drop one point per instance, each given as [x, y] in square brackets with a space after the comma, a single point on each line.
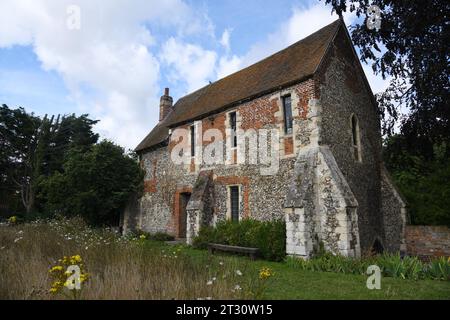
[117, 63]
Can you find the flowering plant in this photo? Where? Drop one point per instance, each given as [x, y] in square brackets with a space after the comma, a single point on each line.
[12, 219]
[260, 285]
[64, 276]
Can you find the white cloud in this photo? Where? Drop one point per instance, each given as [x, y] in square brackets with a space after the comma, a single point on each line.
[225, 39]
[196, 66]
[110, 54]
[301, 23]
[118, 59]
[191, 63]
[228, 65]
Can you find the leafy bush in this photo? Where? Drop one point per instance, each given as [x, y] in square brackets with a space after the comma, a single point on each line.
[206, 235]
[95, 184]
[158, 236]
[423, 181]
[268, 236]
[161, 236]
[439, 269]
[391, 265]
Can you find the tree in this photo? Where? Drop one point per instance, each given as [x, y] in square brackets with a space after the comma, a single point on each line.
[424, 183]
[95, 184]
[32, 148]
[415, 35]
[20, 136]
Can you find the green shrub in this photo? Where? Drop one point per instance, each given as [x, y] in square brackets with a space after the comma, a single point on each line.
[161, 236]
[268, 236]
[439, 269]
[205, 236]
[391, 265]
[158, 236]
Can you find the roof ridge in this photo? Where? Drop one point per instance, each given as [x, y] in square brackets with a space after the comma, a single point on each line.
[337, 22]
[283, 68]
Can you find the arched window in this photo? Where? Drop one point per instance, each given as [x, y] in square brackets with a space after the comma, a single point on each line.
[356, 139]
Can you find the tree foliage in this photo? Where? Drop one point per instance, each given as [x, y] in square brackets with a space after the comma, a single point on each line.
[412, 49]
[424, 183]
[95, 183]
[32, 148]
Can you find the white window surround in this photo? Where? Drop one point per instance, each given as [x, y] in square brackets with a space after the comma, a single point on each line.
[229, 145]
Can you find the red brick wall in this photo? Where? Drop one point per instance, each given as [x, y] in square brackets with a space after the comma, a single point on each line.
[288, 146]
[305, 92]
[259, 113]
[216, 121]
[428, 241]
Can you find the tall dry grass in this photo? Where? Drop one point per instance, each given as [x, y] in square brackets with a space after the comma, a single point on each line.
[118, 268]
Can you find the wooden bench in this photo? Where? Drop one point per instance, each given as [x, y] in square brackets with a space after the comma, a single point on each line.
[252, 252]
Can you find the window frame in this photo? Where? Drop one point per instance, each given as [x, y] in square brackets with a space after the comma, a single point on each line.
[230, 202]
[192, 135]
[356, 137]
[233, 128]
[288, 122]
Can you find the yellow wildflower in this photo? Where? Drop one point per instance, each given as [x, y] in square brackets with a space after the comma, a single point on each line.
[142, 237]
[12, 219]
[66, 260]
[83, 277]
[56, 268]
[265, 273]
[53, 290]
[75, 259]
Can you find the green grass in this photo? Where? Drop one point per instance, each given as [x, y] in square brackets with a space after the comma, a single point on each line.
[122, 268]
[292, 283]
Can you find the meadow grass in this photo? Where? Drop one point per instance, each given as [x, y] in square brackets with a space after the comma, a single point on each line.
[133, 268]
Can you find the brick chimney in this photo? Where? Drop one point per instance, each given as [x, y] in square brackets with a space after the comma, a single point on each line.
[165, 104]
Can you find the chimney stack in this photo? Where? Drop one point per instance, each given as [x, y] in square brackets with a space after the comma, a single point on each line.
[165, 105]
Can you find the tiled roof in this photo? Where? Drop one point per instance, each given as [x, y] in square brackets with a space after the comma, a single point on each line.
[286, 67]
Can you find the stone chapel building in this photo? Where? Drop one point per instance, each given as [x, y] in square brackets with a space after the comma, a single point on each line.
[331, 186]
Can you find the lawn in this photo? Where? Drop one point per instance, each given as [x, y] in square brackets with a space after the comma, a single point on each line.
[136, 268]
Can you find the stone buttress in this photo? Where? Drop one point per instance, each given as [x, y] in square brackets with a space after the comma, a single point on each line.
[320, 208]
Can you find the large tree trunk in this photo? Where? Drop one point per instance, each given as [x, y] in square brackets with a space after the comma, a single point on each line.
[28, 198]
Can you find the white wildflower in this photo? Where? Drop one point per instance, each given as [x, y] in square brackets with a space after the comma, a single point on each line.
[238, 272]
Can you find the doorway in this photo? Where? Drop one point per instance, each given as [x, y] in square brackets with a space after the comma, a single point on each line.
[182, 217]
